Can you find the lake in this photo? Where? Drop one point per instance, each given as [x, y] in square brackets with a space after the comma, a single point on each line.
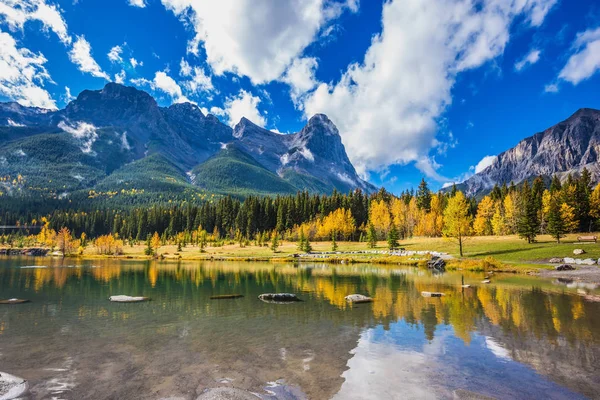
[519, 337]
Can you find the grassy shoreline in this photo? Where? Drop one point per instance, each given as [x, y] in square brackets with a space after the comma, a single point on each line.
[502, 254]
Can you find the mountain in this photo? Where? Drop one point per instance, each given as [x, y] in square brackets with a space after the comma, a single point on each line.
[119, 140]
[563, 149]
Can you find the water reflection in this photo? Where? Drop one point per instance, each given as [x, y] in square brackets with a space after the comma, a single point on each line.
[518, 337]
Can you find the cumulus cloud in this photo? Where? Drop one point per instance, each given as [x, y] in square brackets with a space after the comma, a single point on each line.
[81, 55]
[82, 131]
[530, 58]
[244, 104]
[114, 55]
[585, 60]
[198, 80]
[300, 76]
[387, 107]
[164, 83]
[255, 39]
[137, 3]
[68, 96]
[16, 13]
[134, 63]
[23, 74]
[484, 163]
[120, 77]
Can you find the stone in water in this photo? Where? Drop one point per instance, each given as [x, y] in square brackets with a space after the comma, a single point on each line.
[128, 299]
[358, 298]
[432, 294]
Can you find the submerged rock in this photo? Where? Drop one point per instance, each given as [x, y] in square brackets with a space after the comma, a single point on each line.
[578, 252]
[358, 298]
[486, 281]
[278, 297]
[128, 299]
[226, 296]
[14, 301]
[226, 393]
[462, 394]
[565, 267]
[432, 294]
[12, 387]
[437, 264]
[465, 286]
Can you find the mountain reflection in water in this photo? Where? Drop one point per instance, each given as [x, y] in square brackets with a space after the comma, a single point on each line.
[520, 337]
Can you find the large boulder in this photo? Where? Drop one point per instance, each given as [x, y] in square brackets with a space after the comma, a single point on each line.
[128, 299]
[278, 298]
[565, 267]
[432, 294]
[437, 264]
[569, 260]
[12, 387]
[13, 301]
[578, 252]
[358, 298]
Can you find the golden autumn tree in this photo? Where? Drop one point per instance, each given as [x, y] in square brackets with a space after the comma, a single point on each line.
[155, 242]
[595, 203]
[457, 221]
[379, 216]
[339, 221]
[483, 221]
[499, 225]
[567, 213]
[65, 242]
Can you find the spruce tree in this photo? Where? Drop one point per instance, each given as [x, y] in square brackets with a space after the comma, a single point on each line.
[556, 226]
[424, 196]
[371, 237]
[392, 238]
[334, 245]
[528, 225]
[301, 241]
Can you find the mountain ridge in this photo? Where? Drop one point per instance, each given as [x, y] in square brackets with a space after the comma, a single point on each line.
[562, 149]
[125, 125]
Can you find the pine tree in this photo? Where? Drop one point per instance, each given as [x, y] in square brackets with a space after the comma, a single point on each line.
[148, 251]
[556, 227]
[274, 242]
[528, 225]
[301, 240]
[371, 237]
[202, 240]
[423, 196]
[334, 245]
[392, 238]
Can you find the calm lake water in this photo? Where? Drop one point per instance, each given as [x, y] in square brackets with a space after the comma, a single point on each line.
[519, 337]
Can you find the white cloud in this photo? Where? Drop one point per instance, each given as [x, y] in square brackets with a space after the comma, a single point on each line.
[244, 104]
[551, 88]
[531, 58]
[387, 107]
[82, 131]
[585, 61]
[81, 55]
[120, 77]
[17, 12]
[255, 39]
[164, 83]
[185, 69]
[68, 95]
[134, 63]
[484, 163]
[301, 77]
[114, 55]
[23, 74]
[137, 3]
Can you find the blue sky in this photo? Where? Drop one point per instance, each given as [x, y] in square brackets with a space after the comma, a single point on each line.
[417, 89]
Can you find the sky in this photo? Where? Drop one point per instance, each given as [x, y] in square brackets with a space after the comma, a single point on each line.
[418, 89]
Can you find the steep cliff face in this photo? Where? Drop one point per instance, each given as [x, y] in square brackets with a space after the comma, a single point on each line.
[122, 124]
[315, 156]
[565, 148]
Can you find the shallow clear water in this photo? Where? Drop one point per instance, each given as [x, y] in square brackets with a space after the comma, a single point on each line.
[519, 337]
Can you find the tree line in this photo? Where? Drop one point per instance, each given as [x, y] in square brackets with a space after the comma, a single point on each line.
[528, 210]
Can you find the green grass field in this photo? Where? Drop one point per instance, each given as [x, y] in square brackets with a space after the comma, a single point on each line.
[507, 249]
